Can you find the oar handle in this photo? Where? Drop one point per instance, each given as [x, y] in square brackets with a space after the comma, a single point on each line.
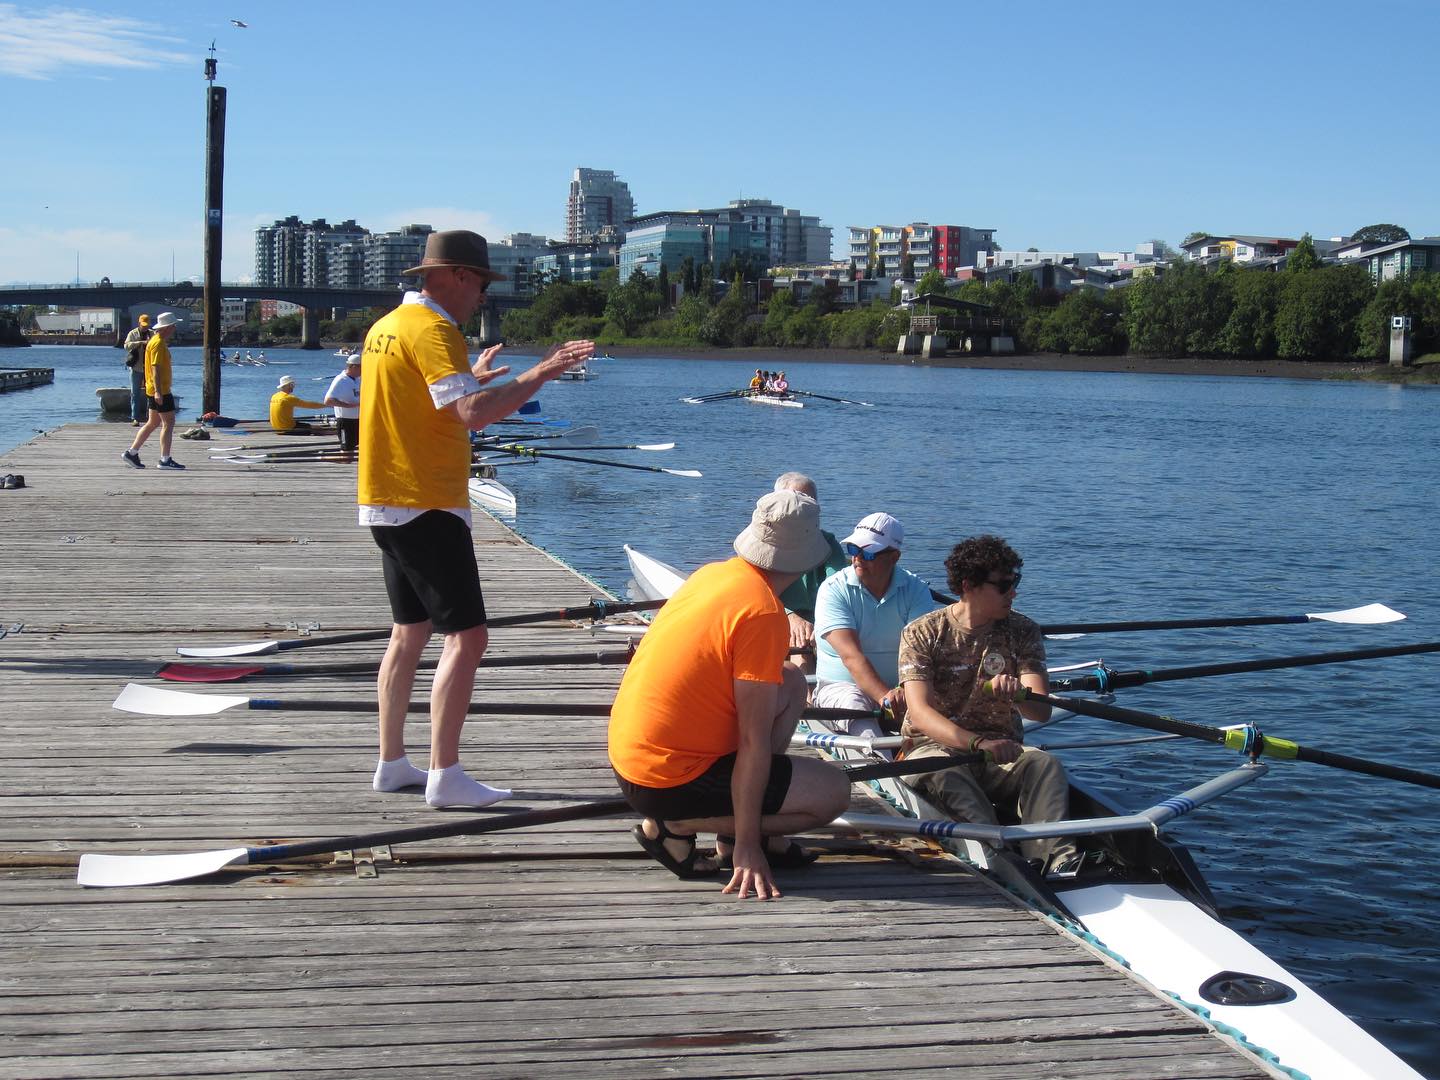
[595, 609]
[281, 852]
[909, 767]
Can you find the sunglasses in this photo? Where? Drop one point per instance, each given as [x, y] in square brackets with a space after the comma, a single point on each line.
[1004, 585]
[853, 550]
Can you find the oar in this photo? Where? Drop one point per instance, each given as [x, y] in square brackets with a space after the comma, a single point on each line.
[1247, 739]
[703, 398]
[513, 447]
[826, 397]
[595, 609]
[212, 673]
[1369, 615]
[1105, 680]
[274, 455]
[525, 451]
[157, 701]
[588, 433]
[109, 871]
[112, 870]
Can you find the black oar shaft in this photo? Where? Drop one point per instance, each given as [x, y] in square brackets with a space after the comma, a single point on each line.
[1118, 680]
[525, 451]
[514, 708]
[498, 823]
[1170, 624]
[1281, 749]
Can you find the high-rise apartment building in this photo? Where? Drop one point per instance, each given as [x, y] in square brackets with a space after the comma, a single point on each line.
[946, 248]
[292, 252]
[388, 255]
[791, 238]
[598, 200]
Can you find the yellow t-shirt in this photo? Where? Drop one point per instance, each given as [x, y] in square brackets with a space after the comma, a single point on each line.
[675, 712]
[411, 453]
[157, 366]
[282, 409]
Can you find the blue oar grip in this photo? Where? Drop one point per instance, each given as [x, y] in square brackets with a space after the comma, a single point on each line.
[265, 703]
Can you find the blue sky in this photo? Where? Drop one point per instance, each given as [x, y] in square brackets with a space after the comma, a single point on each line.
[1063, 126]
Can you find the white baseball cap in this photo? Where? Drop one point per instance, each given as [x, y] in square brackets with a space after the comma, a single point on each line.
[876, 532]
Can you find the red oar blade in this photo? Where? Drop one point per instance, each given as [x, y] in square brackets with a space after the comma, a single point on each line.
[207, 673]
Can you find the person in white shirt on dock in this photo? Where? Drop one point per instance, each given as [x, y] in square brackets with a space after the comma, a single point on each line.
[860, 614]
[344, 397]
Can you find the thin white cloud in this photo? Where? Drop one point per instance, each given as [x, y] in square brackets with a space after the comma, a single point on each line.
[42, 44]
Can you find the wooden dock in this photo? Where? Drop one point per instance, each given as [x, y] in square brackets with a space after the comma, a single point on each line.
[557, 952]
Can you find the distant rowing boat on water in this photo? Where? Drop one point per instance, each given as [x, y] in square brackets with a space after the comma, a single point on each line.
[785, 401]
[1147, 902]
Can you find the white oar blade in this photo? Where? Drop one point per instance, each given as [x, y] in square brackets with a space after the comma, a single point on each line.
[693, 473]
[1369, 615]
[109, 871]
[656, 446]
[248, 648]
[154, 701]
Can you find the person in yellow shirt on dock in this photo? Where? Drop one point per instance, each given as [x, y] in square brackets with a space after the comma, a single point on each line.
[282, 409]
[422, 399]
[158, 394]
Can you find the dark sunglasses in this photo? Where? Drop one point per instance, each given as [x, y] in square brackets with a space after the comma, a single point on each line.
[1004, 585]
[853, 550]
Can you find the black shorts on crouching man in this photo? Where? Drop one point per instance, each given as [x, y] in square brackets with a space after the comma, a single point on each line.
[708, 795]
[430, 572]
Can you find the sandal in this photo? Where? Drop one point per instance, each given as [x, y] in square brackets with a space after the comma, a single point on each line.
[792, 858]
[684, 868]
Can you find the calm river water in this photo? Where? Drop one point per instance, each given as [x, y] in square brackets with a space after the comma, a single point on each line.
[1130, 496]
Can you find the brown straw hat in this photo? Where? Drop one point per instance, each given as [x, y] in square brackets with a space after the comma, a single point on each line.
[458, 247]
[784, 534]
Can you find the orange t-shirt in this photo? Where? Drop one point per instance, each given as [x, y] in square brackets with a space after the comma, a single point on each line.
[675, 713]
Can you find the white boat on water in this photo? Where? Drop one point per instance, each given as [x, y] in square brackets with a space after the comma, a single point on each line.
[490, 494]
[1152, 908]
[580, 373]
[785, 401]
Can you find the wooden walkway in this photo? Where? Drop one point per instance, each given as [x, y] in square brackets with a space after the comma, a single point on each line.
[561, 952]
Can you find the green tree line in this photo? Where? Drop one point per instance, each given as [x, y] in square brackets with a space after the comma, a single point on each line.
[1307, 311]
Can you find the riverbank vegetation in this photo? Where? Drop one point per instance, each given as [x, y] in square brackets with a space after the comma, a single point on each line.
[1307, 311]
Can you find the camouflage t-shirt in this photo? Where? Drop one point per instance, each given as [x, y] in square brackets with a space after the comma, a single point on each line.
[937, 649]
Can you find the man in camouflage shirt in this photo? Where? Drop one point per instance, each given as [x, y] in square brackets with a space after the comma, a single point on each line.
[946, 658]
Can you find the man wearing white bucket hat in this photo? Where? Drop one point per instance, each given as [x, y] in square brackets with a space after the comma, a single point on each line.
[344, 397]
[158, 394]
[699, 729]
[282, 409]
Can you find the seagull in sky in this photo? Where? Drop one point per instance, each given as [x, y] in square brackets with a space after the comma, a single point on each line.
[241, 25]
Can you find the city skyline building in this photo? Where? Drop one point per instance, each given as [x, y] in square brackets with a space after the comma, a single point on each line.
[598, 200]
[668, 237]
[946, 248]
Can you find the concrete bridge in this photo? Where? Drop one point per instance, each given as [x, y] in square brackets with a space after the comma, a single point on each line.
[122, 296]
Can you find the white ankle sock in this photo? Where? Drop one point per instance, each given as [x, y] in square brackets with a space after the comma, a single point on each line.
[451, 787]
[397, 774]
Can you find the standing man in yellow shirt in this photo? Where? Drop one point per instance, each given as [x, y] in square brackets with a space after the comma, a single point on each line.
[422, 399]
[158, 395]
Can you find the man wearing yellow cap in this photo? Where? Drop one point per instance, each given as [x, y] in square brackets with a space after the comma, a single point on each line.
[135, 361]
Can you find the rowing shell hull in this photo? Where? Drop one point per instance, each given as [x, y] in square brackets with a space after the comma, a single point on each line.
[492, 495]
[771, 399]
[654, 580]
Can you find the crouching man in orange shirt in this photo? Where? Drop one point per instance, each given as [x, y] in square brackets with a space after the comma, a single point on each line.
[704, 715]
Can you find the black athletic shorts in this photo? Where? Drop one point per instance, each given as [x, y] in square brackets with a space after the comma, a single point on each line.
[708, 795]
[349, 429]
[161, 403]
[430, 572]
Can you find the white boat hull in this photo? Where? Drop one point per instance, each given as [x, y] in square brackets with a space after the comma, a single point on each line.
[492, 495]
[654, 580]
[772, 399]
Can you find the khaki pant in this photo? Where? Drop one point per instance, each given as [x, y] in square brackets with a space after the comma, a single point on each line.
[1035, 783]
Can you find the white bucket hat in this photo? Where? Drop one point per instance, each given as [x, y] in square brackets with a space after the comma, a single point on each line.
[285, 380]
[783, 534]
[167, 318]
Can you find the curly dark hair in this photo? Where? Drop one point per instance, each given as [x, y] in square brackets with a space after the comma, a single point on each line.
[972, 561]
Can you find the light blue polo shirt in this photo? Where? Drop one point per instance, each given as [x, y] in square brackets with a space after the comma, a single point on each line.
[844, 604]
